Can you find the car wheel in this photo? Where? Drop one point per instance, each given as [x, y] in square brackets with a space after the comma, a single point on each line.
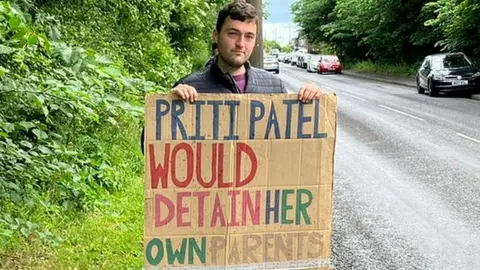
[431, 89]
[420, 90]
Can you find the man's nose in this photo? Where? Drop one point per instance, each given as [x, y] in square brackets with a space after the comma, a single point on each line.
[240, 42]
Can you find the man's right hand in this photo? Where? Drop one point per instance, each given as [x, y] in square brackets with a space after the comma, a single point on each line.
[185, 92]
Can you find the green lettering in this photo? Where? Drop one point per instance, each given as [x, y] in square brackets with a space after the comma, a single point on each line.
[155, 242]
[302, 207]
[179, 254]
[201, 253]
[285, 206]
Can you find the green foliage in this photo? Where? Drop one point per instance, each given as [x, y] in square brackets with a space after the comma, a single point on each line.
[73, 76]
[66, 114]
[390, 31]
[395, 69]
[459, 24]
[287, 49]
[271, 44]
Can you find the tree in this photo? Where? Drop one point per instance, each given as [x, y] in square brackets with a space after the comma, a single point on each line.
[271, 44]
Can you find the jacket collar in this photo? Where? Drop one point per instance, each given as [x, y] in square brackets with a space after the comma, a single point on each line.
[226, 78]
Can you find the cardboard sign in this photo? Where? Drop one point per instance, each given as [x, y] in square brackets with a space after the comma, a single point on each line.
[239, 182]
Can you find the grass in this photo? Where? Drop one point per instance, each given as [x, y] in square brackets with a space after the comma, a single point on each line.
[111, 238]
[391, 69]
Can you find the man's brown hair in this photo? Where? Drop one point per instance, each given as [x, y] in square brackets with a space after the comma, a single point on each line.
[239, 10]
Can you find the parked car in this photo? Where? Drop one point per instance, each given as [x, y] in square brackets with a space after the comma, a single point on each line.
[302, 60]
[448, 72]
[281, 57]
[270, 63]
[330, 63]
[274, 52]
[313, 63]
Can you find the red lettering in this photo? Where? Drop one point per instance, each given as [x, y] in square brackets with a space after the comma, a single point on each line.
[200, 180]
[254, 212]
[159, 171]
[233, 208]
[201, 206]
[182, 210]
[189, 166]
[217, 213]
[221, 183]
[167, 169]
[171, 208]
[245, 148]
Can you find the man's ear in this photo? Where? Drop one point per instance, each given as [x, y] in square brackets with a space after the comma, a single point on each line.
[215, 36]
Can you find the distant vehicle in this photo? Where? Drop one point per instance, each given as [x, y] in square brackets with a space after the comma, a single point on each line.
[281, 57]
[274, 52]
[295, 55]
[329, 63]
[448, 72]
[302, 60]
[270, 63]
[313, 62]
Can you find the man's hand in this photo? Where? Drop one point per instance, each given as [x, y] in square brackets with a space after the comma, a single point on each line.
[309, 92]
[185, 92]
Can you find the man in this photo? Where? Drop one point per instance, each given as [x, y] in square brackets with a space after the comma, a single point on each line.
[230, 72]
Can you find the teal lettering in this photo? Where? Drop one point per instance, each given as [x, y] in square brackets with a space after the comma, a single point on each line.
[155, 242]
[179, 254]
[285, 206]
[302, 207]
[193, 247]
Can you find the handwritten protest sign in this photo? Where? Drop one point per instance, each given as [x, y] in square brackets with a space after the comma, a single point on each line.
[239, 182]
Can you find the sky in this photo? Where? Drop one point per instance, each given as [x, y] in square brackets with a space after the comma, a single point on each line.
[279, 25]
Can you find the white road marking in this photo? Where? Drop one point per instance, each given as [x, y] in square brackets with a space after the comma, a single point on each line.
[400, 112]
[359, 98]
[467, 137]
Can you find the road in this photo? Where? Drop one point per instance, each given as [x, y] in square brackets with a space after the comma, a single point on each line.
[407, 176]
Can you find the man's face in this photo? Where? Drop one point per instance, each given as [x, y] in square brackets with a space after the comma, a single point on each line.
[236, 41]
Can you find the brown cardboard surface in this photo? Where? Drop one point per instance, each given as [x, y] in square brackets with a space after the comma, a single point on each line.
[238, 182]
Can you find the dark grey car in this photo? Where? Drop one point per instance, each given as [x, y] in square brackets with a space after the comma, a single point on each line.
[448, 72]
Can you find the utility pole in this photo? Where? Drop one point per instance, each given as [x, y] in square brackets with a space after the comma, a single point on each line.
[257, 56]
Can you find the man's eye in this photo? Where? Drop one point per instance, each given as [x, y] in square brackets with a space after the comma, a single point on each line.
[232, 34]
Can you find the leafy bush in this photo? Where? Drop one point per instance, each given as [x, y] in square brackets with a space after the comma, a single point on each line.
[67, 116]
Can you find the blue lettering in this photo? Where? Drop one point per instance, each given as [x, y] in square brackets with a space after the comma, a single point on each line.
[254, 117]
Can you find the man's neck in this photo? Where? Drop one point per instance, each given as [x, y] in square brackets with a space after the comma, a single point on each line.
[234, 71]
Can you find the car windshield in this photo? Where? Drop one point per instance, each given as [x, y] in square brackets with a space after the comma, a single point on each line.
[330, 59]
[450, 61]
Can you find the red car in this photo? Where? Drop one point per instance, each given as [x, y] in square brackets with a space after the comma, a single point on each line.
[329, 63]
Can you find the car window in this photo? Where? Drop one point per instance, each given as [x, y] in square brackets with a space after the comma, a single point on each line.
[328, 59]
[451, 61]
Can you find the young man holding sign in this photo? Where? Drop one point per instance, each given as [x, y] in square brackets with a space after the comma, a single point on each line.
[235, 35]
[238, 181]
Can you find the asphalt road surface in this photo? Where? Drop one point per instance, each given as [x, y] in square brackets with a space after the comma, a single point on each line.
[407, 175]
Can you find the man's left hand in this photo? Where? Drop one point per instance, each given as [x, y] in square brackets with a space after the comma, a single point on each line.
[309, 92]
